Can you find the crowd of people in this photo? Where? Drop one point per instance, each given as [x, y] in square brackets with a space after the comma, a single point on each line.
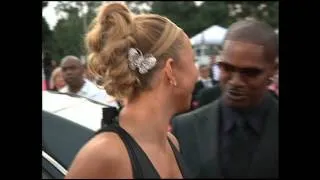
[222, 117]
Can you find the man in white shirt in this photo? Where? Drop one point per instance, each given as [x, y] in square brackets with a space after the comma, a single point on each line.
[73, 74]
[216, 72]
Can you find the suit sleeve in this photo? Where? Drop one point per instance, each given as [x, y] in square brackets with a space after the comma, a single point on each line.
[174, 126]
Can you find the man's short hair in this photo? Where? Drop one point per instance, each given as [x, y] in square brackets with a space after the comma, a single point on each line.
[255, 32]
[70, 57]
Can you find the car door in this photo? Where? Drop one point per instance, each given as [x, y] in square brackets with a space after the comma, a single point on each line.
[61, 140]
[51, 168]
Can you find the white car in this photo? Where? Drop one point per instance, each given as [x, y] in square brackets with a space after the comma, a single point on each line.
[68, 122]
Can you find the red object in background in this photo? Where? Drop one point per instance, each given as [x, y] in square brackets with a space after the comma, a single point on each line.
[44, 85]
[274, 87]
[194, 104]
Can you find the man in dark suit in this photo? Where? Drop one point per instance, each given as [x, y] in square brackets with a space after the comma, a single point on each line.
[237, 135]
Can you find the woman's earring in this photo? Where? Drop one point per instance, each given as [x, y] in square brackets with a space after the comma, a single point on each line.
[173, 83]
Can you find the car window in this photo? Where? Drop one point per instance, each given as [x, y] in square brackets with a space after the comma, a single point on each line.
[63, 138]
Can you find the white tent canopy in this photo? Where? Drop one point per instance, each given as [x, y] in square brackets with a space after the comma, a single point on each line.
[213, 35]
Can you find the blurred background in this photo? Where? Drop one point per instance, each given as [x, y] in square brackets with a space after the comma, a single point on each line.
[64, 23]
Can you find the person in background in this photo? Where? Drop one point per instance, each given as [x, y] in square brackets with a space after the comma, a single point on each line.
[237, 135]
[215, 71]
[44, 86]
[56, 81]
[73, 75]
[148, 61]
[47, 68]
[204, 82]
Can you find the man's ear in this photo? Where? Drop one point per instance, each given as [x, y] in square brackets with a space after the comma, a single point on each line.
[168, 69]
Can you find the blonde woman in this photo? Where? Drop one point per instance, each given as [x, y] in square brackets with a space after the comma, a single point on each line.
[148, 61]
[56, 81]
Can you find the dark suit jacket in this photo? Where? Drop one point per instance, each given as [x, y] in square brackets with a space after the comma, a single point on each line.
[207, 95]
[197, 87]
[198, 135]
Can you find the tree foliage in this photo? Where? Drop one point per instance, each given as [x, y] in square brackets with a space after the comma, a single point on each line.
[183, 13]
[194, 19]
[67, 36]
[69, 32]
[267, 11]
[46, 32]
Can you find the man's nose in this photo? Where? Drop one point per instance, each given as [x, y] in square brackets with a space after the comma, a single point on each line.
[236, 79]
[68, 71]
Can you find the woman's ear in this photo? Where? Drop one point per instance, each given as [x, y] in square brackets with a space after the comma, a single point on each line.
[168, 69]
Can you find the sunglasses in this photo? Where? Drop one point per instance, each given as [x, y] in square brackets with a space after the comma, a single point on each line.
[246, 72]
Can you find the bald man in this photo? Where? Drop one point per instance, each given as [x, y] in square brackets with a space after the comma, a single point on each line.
[236, 136]
[73, 74]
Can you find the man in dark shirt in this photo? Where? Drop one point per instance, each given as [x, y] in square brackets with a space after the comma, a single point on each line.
[236, 136]
[47, 67]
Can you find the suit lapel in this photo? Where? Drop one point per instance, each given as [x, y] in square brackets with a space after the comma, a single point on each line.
[265, 160]
[208, 141]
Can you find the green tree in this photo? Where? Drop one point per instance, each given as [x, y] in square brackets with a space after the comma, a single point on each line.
[137, 6]
[212, 13]
[46, 35]
[267, 11]
[191, 18]
[180, 12]
[69, 32]
[46, 32]
[68, 35]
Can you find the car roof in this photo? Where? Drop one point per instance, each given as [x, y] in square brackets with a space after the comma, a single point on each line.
[77, 109]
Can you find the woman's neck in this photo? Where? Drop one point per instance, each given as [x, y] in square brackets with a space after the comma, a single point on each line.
[147, 118]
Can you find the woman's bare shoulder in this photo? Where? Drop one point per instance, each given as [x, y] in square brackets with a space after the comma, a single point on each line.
[104, 156]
